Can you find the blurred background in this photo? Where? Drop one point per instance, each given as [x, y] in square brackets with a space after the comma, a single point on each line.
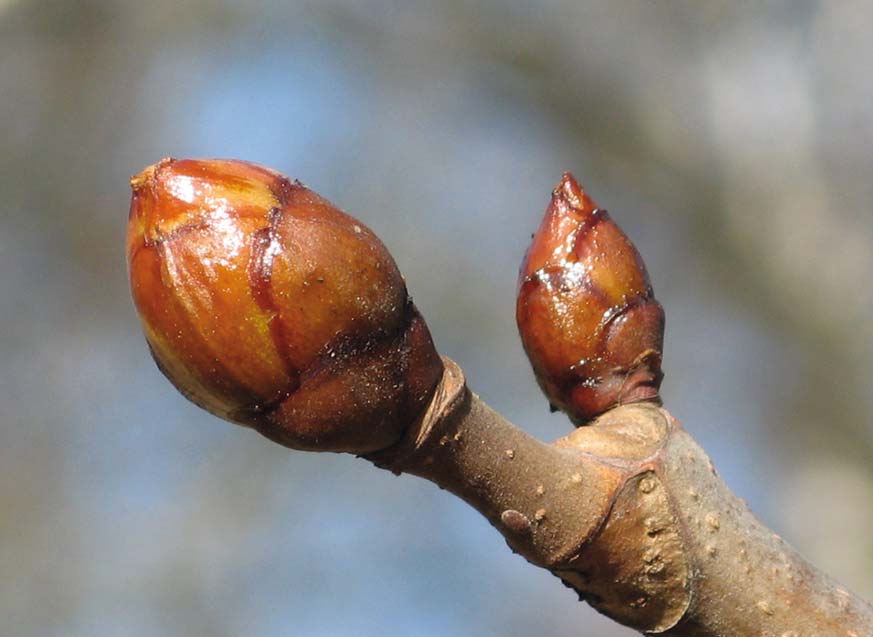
[733, 146]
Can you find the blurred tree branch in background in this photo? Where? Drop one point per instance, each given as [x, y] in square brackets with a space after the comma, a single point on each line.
[733, 146]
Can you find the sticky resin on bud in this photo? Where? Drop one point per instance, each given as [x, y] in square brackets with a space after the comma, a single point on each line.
[586, 312]
[267, 306]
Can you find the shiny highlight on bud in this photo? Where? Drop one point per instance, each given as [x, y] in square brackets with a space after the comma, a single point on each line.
[264, 304]
[587, 315]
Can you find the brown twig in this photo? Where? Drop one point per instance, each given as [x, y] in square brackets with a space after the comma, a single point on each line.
[291, 317]
[632, 515]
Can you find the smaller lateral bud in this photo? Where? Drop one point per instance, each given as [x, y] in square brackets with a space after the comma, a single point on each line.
[267, 306]
[587, 315]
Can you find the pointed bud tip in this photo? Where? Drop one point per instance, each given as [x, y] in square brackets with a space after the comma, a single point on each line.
[570, 191]
[585, 309]
[147, 175]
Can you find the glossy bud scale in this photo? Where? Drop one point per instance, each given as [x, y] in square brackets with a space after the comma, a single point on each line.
[586, 312]
[267, 306]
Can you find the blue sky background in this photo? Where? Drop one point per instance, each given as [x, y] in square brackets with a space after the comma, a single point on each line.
[733, 147]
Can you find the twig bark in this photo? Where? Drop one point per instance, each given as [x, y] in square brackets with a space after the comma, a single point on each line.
[631, 514]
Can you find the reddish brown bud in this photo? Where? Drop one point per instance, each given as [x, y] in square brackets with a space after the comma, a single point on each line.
[586, 312]
[267, 306]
